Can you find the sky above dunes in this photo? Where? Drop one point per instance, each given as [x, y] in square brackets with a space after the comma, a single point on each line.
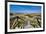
[27, 9]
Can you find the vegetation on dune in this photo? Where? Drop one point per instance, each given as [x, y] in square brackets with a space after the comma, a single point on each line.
[29, 15]
[35, 21]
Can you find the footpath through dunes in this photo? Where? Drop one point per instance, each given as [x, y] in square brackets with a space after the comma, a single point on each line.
[24, 22]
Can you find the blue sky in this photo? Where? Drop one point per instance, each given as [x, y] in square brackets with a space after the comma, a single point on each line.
[27, 9]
